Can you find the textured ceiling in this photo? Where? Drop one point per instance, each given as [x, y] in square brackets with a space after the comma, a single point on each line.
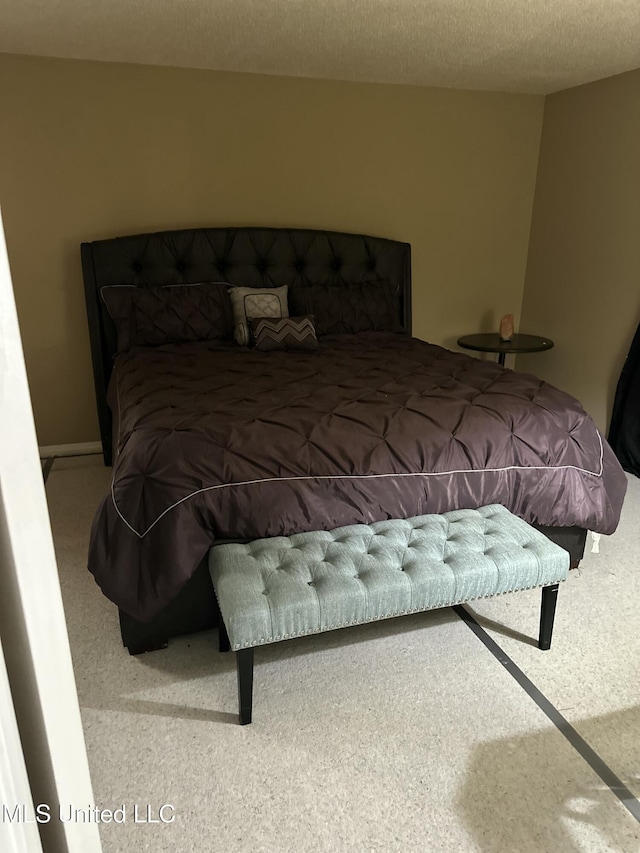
[536, 46]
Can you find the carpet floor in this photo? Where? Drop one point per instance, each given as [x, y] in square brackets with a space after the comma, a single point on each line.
[405, 735]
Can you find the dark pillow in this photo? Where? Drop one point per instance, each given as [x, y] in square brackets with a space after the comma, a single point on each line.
[287, 333]
[172, 314]
[368, 306]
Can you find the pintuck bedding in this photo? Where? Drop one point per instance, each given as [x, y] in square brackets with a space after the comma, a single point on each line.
[218, 442]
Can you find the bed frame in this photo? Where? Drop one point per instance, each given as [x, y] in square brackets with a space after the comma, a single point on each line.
[249, 256]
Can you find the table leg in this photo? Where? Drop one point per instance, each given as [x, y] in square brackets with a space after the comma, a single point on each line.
[501, 356]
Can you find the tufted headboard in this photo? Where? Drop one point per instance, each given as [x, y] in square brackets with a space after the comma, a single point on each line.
[253, 257]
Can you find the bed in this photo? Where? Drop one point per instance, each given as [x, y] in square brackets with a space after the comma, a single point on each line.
[337, 415]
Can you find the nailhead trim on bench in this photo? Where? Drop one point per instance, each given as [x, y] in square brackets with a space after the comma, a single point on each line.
[439, 606]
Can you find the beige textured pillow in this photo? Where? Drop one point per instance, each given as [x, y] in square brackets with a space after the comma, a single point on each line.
[250, 302]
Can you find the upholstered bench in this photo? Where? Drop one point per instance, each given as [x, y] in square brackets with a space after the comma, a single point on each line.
[289, 586]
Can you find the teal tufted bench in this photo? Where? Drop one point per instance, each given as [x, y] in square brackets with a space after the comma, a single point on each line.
[290, 586]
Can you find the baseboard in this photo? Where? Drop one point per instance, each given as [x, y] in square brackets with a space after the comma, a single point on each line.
[82, 449]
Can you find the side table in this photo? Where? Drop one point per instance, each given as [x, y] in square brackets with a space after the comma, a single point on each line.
[492, 342]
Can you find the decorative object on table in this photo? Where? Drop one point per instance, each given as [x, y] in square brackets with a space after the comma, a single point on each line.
[506, 327]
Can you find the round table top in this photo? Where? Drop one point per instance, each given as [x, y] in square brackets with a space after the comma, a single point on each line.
[492, 342]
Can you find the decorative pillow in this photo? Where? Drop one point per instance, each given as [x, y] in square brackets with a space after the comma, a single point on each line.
[171, 314]
[348, 309]
[250, 302]
[288, 333]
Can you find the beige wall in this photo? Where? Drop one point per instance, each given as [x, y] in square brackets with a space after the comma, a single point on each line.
[93, 150]
[583, 277]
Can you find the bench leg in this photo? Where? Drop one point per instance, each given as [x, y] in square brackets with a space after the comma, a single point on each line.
[244, 661]
[549, 598]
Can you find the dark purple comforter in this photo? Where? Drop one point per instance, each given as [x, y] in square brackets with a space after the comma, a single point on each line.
[218, 442]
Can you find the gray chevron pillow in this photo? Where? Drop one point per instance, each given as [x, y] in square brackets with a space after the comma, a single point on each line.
[284, 333]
